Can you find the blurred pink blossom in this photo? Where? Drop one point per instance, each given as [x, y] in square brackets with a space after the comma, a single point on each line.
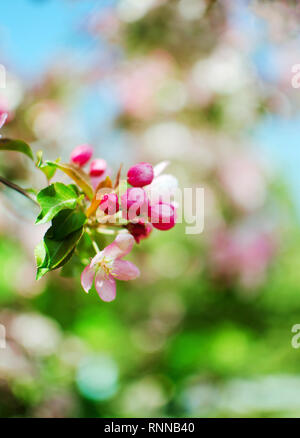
[139, 83]
[242, 254]
[242, 179]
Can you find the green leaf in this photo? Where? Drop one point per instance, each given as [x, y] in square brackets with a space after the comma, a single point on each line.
[31, 191]
[47, 169]
[81, 178]
[7, 144]
[72, 267]
[84, 253]
[65, 223]
[58, 250]
[55, 198]
[66, 259]
[52, 254]
[40, 255]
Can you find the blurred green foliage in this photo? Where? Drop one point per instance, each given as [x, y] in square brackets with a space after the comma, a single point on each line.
[188, 338]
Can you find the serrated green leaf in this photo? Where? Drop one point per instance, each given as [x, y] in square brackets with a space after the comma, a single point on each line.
[7, 144]
[77, 175]
[55, 198]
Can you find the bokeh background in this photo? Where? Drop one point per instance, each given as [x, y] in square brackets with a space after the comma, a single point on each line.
[206, 329]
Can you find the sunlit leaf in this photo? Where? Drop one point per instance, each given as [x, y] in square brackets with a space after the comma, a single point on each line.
[55, 198]
[7, 144]
[47, 169]
[40, 255]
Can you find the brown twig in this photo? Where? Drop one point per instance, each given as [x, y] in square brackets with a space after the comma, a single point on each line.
[17, 188]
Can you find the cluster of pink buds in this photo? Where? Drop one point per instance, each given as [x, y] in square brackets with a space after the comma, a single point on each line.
[141, 208]
[95, 204]
[145, 204]
[137, 207]
[82, 154]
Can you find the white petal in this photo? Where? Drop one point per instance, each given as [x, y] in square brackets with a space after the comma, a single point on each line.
[97, 259]
[160, 167]
[163, 188]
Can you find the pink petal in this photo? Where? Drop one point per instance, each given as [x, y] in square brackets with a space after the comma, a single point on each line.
[124, 270]
[121, 246]
[106, 287]
[87, 278]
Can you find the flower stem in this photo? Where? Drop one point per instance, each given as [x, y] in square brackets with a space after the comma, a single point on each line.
[95, 246]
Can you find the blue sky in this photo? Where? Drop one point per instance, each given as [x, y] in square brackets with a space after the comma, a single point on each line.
[38, 33]
[33, 31]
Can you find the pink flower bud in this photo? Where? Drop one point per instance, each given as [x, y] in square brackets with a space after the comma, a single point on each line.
[140, 175]
[162, 216]
[139, 230]
[134, 203]
[98, 167]
[110, 204]
[81, 154]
